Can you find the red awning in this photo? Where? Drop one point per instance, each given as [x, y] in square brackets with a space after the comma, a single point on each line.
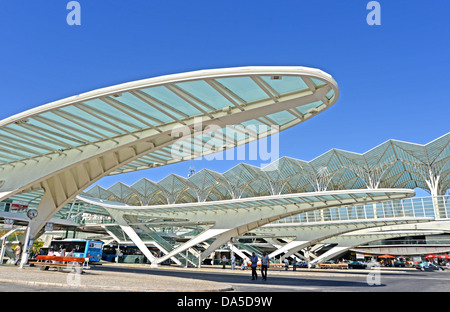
[386, 256]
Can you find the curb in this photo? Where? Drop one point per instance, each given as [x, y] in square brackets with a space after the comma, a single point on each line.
[114, 288]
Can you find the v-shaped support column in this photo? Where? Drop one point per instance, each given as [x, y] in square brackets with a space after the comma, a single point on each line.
[222, 234]
[196, 240]
[132, 234]
[289, 248]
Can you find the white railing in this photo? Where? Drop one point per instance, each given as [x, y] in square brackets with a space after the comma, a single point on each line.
[418, 207]
[437, 207]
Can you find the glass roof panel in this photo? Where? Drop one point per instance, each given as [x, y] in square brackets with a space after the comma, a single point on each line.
[343, 196]
[439, 149]
[282, 118]
[177, 151]
[22, 144]
[91, 121]
[71, 126]
[256, 126]
[116, 116]
[115, 111]
[286, 84]
[252, 122]
[317, 82]
[305, 108]
[169, 98]
[147, 110]
[205, 93]
[36, 136]
[330, 94]
[9, 153]
[244, 87]
[335, 169]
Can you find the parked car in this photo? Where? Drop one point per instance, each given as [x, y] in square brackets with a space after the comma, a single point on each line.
[399, 264]
[428, 266]
[357, 265]
[302, 264]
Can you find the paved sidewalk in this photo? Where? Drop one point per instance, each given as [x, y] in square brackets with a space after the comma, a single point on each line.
[109, 277]
[143, 278]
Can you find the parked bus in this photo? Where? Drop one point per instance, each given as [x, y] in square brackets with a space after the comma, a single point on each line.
[125, 253]
[91, 249]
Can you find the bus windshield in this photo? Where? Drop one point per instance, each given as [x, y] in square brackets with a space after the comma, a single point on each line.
[79, 247]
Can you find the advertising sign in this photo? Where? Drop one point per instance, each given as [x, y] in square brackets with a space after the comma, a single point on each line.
[359, 256]
[19, 206]
[9, 223]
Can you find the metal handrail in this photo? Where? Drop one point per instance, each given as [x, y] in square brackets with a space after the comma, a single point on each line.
[437, 207]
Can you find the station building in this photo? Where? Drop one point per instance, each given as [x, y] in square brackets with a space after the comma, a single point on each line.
[53, 155]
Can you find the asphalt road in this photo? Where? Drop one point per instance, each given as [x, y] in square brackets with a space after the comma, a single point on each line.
[279, 281]
[388, 280]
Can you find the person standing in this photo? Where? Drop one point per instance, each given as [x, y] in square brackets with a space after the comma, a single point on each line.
[254, 261]
[224, 261]
[18, 252]
[244, 264]
[286, 264]
[233, 261]
[264, 265]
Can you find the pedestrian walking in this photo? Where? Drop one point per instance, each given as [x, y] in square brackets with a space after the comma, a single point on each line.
[264, 265]
[286, 264]
[233, 262]
[254, 261]
[294, 266]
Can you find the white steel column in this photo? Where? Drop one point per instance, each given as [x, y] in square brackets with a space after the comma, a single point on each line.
[348, 241]
[290, 247]
[132, 234]
[196, 240]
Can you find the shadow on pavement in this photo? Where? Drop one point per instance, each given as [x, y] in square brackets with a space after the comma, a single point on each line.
[237, 279]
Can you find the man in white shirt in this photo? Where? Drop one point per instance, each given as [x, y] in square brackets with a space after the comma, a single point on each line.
[244, 263]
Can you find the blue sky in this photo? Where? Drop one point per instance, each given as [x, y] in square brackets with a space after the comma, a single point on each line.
[393, 78]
